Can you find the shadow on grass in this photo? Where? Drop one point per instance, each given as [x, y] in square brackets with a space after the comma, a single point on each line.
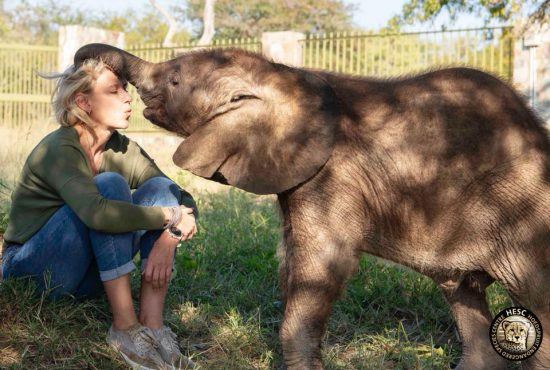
[224, 305]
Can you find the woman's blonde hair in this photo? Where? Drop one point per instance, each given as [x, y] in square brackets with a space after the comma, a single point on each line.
[69, 83]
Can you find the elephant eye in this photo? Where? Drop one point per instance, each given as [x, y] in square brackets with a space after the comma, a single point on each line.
[174, 80]
[237, 98]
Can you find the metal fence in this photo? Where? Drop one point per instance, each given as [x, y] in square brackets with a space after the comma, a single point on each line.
[25, 97]
[379, 54]
[156, 53]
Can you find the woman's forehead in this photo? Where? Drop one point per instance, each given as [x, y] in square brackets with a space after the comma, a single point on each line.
[108, 77]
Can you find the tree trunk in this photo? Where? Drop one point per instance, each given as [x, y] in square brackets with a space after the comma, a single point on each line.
[172, 24]
[208, 23]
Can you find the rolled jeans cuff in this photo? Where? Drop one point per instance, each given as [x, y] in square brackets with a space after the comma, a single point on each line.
[117, 272]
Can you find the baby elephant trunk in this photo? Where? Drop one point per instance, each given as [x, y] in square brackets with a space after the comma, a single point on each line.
[135, 70]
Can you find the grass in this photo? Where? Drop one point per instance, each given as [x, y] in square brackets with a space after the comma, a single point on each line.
[225, 308]
[224, 305]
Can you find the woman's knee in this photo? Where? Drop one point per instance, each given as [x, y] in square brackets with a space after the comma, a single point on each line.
[113, 186]
[159, 191]
[160, 184]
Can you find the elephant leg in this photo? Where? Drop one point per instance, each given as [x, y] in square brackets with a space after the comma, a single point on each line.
[527, 281]
[466, 296]
[534, 294]
[536, 300]
[541, 359]
[312, 276]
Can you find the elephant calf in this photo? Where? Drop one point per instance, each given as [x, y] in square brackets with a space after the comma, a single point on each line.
[447, 173]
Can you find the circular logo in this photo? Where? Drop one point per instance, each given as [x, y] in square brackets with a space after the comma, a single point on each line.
[516, 333]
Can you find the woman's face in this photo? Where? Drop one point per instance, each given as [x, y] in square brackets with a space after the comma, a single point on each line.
[109, 102]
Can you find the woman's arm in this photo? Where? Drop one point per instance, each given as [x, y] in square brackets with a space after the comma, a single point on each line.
[64, 168]
[146, 168]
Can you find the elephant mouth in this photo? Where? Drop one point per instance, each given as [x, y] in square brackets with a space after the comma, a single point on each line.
[154, 108]
[150, 114]
[218, 175]
[158, 117]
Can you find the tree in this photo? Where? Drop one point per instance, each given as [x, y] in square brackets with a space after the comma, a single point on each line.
[502, 10]
[208, 23]
[4, 24]
[148, 27]
[39, 23]
[172, 24]
[542, 14]
[249, 18]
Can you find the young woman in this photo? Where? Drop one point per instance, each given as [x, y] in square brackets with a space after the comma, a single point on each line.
[75, 225]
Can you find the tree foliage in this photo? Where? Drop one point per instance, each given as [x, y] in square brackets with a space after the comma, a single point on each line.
[422, 11]
[249, 18]
[38, 23]
[4, 27]
[140, 28]
[541, 14]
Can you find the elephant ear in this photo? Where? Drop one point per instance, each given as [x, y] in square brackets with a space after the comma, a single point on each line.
[271, 152]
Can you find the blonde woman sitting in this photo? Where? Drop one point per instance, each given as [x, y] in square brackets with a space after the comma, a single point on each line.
[75, 225]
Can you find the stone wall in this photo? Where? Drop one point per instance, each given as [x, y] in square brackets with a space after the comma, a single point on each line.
[283, 47]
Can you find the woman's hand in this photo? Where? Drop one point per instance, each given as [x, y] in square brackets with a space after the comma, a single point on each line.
[161, 258]
[168, 213]
[187, 224]
[160, 261]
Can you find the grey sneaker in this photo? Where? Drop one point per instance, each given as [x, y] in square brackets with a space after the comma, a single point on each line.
[170, 351]
[138, 346]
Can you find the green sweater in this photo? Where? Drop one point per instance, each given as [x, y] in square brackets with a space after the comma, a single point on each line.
[57, 172]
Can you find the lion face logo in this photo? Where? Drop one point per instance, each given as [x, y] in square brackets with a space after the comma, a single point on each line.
[515, 334]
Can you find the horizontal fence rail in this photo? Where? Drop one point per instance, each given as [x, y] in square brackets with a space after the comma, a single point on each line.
[387, 55]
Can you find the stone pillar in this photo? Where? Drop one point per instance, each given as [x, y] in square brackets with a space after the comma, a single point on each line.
[283, 47]
[532, 67]
[71, 38]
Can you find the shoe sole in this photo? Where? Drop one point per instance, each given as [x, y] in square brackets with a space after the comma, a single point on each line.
[182, 367]
[185, 366]
[134, 364]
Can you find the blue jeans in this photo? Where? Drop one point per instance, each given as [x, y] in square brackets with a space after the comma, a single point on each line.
[69, 258]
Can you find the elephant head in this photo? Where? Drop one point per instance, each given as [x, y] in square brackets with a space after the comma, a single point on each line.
[248, 122]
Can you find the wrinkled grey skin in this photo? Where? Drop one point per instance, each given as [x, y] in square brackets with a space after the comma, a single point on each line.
[447, 173]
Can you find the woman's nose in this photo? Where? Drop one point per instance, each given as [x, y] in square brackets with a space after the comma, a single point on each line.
[127, 97]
